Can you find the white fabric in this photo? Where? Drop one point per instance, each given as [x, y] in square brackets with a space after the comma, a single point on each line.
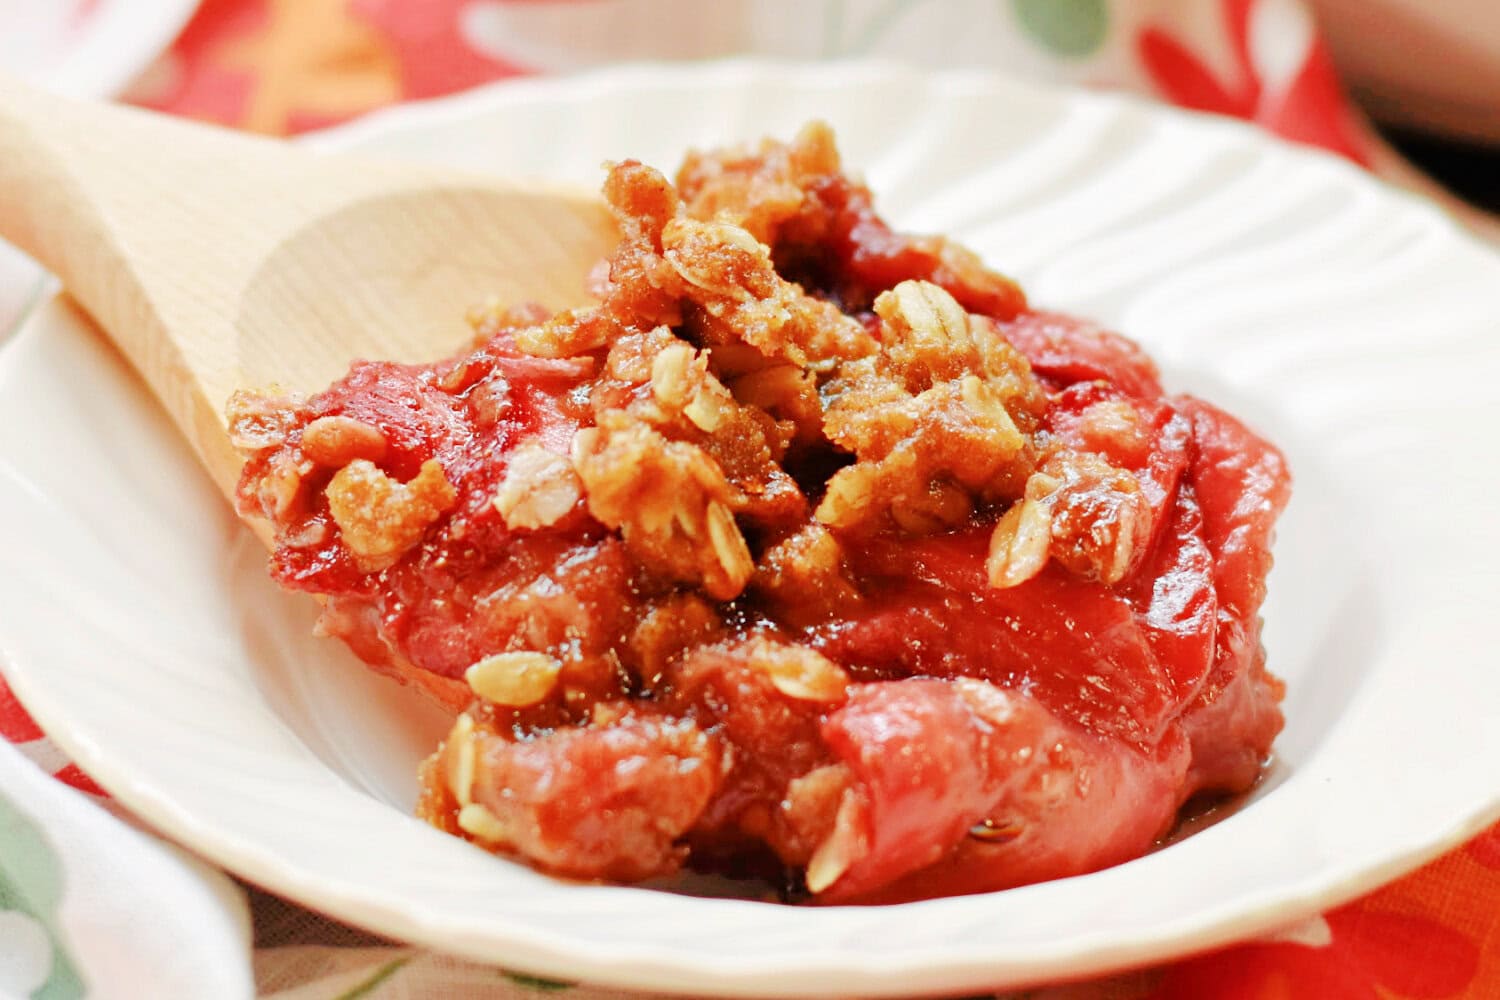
[132, 916]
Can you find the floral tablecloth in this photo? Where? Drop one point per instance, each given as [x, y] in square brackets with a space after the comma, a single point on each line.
[89, 906]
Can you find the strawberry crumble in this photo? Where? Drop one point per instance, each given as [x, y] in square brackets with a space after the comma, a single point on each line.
[810, 550]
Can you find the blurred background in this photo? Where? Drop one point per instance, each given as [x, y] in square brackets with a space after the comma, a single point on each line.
[1426, 73]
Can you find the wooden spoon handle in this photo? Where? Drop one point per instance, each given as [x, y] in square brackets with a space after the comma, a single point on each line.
[49, 205]
[86, 187]
[124, 206]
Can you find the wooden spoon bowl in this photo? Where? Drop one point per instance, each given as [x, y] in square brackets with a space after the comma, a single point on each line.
[218, 261]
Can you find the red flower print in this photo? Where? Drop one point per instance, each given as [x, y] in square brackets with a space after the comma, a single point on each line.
[1485, 848]
[73, 775]
[1307, 105]
[1373, 956]
[200, 85]
[434, 56]
[15, 725]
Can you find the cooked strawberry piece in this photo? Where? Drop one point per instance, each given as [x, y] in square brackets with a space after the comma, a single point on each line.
[774, 738]
[1076, 645]
[922, 760]
[605, 801]
[1089, 802]
[322, 568]
[1175, 602]
[1242, 484]
[554, 592]
[934, 760]
[416, 418]
[873, 257]
[1150, 437]
[1067, 349]
[1235, 718]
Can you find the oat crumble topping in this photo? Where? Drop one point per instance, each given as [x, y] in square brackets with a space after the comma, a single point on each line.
[677, 553]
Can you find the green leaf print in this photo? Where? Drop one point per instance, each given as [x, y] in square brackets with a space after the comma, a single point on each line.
[537, 982]
[380, 975]
[31, 882]
[1071, 28]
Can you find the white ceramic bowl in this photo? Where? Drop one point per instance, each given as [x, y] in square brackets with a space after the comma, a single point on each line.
[1353, 325]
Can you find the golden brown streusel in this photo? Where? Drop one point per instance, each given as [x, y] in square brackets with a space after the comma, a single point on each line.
[379, 517]
[783, 556]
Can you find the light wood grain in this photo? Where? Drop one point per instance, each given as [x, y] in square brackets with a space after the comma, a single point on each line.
[218, 261]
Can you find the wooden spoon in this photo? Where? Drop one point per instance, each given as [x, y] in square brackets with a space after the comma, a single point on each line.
[218, 261]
